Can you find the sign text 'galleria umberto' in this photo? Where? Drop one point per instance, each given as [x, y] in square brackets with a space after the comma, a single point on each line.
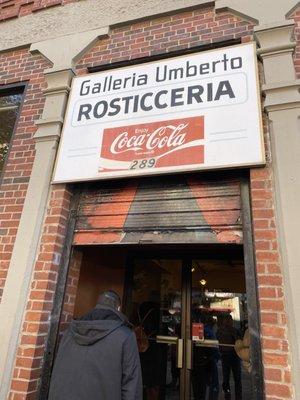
[186, 113]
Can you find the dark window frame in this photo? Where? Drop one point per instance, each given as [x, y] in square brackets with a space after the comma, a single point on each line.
[8, 90]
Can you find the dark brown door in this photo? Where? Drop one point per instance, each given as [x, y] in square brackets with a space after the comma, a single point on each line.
[190, 313]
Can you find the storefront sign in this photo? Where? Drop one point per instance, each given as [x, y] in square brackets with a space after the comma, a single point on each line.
[194, 112]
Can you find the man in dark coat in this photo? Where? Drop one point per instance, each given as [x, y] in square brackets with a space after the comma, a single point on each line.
[98, 357]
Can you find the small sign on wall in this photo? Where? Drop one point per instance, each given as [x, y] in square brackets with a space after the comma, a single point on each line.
[163, 144]
[197, 331]
[193, 112]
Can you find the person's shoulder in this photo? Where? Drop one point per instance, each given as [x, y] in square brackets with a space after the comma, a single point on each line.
[126, 331]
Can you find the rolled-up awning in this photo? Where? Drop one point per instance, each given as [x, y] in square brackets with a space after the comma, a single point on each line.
[165, 209]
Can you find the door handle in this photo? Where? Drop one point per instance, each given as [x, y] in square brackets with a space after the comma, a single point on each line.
[211, 343]
[207, 343]
[189, 354]
[180, 353]
[167, 339]
[179, 347]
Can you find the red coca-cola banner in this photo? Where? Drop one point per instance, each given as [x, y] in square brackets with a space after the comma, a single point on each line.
[153, 145]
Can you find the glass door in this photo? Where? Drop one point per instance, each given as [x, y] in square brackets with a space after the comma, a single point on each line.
[190, 319]
[155, 309]
[220, 337]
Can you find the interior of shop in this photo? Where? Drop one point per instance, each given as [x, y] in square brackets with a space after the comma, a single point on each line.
[196, 294]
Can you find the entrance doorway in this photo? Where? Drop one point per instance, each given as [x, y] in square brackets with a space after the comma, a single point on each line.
[192, 309]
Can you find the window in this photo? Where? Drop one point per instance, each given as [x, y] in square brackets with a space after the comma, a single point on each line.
[9, 108]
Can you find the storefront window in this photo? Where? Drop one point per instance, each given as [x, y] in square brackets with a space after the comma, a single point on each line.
[9, 107]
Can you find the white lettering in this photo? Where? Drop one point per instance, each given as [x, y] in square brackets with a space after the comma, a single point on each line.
[168, 136]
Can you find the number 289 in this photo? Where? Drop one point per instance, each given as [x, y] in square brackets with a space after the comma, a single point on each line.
[140, 164]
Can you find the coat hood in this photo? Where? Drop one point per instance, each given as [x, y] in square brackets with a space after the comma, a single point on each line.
[86, 332]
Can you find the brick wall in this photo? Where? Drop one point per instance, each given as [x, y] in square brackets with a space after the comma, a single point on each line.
[18, 66]
[17, 8]
[161, 35]
[71, 290]
[146, 38]
[36, 320]
[270, 282]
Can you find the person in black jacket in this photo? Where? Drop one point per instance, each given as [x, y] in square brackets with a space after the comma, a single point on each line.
[98, 357]
[228, 335]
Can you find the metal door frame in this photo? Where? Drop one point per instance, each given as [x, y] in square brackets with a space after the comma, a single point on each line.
[186, 287]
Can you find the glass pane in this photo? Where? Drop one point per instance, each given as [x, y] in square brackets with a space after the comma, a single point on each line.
[10, 100]
[9, 106]
[156, 307]
[219, 325]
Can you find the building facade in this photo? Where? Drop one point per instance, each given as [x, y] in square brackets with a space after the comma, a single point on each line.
[61, 243]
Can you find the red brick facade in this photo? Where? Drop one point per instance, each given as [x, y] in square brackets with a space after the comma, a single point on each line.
[270, 285]
[39, 305]
[155, 36]
[17, 8]
[19, 66]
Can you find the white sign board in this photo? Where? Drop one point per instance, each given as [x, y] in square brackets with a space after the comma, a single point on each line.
[193, 112]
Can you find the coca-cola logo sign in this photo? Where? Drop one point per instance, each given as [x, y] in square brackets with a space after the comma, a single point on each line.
[156, 145]
[164, 136]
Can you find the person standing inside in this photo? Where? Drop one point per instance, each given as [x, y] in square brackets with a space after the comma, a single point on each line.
[227, 336]
[205, 372]
[98, 357]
